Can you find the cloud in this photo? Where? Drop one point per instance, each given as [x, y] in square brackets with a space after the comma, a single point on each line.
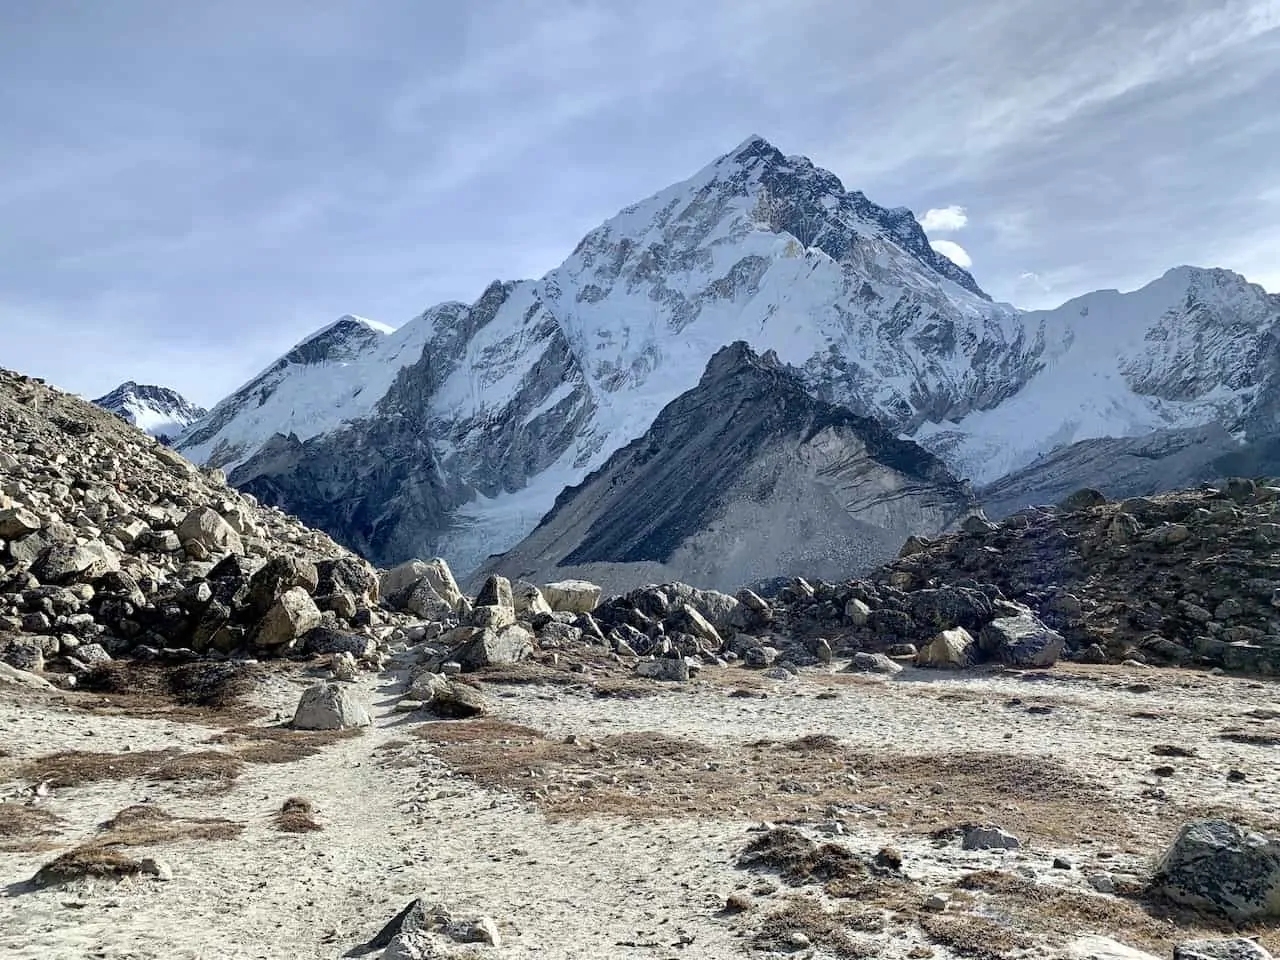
[944, 219]
[953, 252]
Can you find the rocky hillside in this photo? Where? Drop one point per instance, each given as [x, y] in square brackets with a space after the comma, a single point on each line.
[744, 477]
[159, 411]
[112, 544]
[1182, 578]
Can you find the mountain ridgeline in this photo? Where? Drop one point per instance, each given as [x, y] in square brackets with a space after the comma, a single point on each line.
[455, 434]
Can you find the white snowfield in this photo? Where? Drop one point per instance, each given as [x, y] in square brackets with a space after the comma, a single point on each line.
[649, 296]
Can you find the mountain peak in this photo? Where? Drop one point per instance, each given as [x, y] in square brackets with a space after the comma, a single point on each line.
[160, 411]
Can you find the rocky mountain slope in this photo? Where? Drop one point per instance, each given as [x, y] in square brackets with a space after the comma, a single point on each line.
[455, 433]
[112, 544]
[159, 411]
[744, 477]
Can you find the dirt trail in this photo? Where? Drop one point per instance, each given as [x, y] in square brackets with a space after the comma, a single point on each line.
[398, 822]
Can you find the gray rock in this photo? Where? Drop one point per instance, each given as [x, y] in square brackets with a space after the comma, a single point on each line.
[529, 600]
[573, 596]
[1022, 641]
[949, 650]
[324, 640]
[328, 706]
[206, 526]
[68, 562]
[1222, 867]
[293, 614]
[22, 653]
[425, 601]
[22, 678]
[344, 667]
[664, 668]
[494, 648]
[496, 592]
[988, 838]
[276, 576]
[686, 619]
[857, 612]
[17, 522]
[872, 663]
[1083, 499]
[1237, 948]
[1168, 535]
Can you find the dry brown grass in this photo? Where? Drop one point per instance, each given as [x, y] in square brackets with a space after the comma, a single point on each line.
[296, 816]
[826, 928]
[646, 775]
[1061, 913]
[799, 860]
[622, 689]
[24, 828]
[975, 937]
[144, 825]
[84, 862]
[197, 691]
[70, 768]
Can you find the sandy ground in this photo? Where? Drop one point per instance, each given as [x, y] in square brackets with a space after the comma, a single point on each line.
[566, 881]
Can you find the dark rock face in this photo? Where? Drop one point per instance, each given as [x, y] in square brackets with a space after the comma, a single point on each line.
[1223, 868]
[161, 412]
[720, 465]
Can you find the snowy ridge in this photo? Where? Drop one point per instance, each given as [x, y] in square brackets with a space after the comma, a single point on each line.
[158, 411]
[469, 420]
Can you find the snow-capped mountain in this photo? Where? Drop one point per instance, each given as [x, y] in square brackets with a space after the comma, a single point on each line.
[746, 477]
[159, 411]
[456, 432]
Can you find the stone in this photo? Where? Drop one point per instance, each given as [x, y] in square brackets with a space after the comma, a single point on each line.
[480, 930]
[496, 592]
[494, 648]
[397, 581]
[92, 654]
[323, 640]
[779, 673]
[1228, 608]
[155, 867]
[988, 838]
[1094, 947]
[1083, 499]
[22, 678]
[670, 669]
[67, 562]
[686, 619]
[293, 614]
[457, 700]
[1022, 642]
[347, 575]
[977, 524]
[947, 607]
[529, 601]
[276, 576]
[423, 601]
[206, 526]
[872, 663]
[328, 706]
[1236, 948]
[949, 650]
[1168, 535]
[1221, 867]
[573, 596]
[17, 522]
[344, 667]
[857, 612]
[22, 653]
[935, 903]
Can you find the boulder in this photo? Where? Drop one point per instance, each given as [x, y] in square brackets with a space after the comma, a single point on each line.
[21, 678]
[69, 562]
[17, 522]
[347, 575]
[664, 668]
[988, 838]
[423, 601]
[857, 612]
[1083, 499]
[529, 600]
[574, 596]
[1236, 948]
[1168, 535]
[496, 592]
[1222, 867]
[872, 663]
[206, 526]
[293, 614]
[344, 667]
[324, 640]
[947, 607]
[396, 583]
[719, 609]
[328, 706]
[949, 650]
[686, 619]
[22, 653]
[1022, 641]
[276, 576]
[457, 700]
[494, 648]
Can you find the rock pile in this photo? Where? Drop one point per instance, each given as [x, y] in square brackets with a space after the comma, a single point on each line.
[111, 544]
[1187, 578]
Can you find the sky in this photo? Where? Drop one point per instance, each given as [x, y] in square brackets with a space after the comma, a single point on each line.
[186, 190]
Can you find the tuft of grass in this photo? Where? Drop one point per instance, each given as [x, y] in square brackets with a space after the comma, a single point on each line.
[295, 816]
[84, 862]
[279, 744]
[145, 825]
[826, 929]
[974, 937]
[799, 860]
[207, 685]
[474, 731]
[71, 768]
[22, 827]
